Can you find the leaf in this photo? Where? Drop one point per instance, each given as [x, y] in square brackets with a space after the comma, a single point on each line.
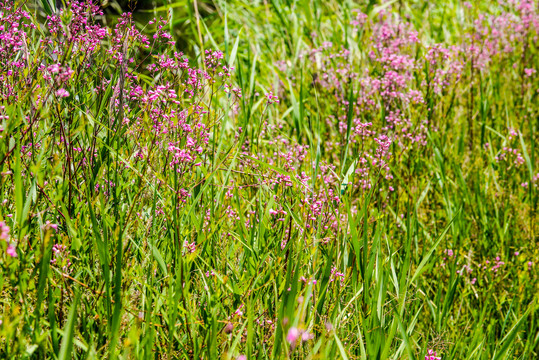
[508, 339]
[340, 347]
[49, 7]
[234, 51]
[69, 331]
[346, 178]
[419, 269]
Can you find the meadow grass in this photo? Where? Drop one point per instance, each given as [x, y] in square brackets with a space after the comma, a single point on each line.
[307, 179]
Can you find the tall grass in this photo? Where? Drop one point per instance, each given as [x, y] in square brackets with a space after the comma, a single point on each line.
[309, 179]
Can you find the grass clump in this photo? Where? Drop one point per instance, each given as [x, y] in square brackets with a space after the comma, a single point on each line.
[308, 180]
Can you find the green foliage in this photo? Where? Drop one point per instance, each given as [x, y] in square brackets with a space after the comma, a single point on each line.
[224, 256]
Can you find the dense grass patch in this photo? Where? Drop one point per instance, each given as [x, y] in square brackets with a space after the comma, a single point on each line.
[307, 179]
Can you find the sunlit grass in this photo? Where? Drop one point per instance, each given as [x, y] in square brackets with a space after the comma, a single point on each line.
[307, 180]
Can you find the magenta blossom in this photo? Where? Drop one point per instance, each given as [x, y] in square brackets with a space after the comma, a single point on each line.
[4, 231]
[431, 355]
[62, 92]
[11, 251]
[293, 335]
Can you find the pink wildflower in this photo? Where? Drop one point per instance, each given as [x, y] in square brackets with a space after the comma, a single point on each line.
[11, 251]
[293, 335]
[529, 72]
[431, 355]
[306, 336]
[62, 93]
[4, 231]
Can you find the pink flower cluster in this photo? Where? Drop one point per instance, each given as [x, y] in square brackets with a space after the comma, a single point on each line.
[61, 257]
[431, 355]
[4, 235]
[294, 334]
